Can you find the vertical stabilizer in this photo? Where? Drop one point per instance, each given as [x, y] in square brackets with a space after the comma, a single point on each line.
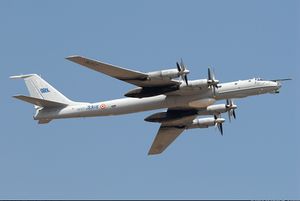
[39, 88]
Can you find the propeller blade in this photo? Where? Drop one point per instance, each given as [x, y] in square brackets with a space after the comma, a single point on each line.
[233, 113]
[211, 81]
[182, 71]
[219, 123]
[229, 115]
[178, 67]
[220, 126]
[209, 74]
[186, 80]
[230, 105]
[213, 74]
[214, 90]
[182, 64]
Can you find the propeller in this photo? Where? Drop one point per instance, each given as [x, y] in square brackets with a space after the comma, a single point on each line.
[211, 81]
[182, 71]
[231, 106]
[219, 123]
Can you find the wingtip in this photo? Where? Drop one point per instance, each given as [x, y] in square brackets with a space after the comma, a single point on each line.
[154, 152]
[21, 76]
[18, 96]
[151, 154]
[72, 57]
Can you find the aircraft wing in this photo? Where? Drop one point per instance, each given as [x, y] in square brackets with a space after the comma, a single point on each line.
[164, 137]
[168, 132]
[133, 77]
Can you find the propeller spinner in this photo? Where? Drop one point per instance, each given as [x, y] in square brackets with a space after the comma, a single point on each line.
[182, 71]
[212, 81]
[219, 123]
[231, 106]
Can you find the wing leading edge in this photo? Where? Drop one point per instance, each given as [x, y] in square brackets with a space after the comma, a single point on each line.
[130, 76]
[108, 69]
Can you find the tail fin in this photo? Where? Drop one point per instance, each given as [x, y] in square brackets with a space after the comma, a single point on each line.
[40, 89]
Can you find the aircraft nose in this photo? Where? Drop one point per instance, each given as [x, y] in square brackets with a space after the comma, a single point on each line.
[278, 85]
[275, 84]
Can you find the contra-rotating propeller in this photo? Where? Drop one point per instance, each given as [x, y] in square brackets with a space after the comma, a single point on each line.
[231, 106]
[212, 81]
[182, 71]
[219, 123]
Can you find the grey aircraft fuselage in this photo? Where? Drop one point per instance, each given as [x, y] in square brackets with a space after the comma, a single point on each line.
[192, 96]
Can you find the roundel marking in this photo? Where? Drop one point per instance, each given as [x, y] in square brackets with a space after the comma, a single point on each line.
[102, 106]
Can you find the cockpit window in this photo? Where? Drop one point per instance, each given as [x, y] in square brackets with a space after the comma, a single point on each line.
[258, 79]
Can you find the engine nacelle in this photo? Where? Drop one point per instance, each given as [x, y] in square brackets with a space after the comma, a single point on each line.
[162, 117]
[205, 122]
[149, 91]
[201, 83]
[164, 74]
[217, 109]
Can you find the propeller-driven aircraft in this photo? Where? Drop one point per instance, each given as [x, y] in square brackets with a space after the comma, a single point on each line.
[184, 99]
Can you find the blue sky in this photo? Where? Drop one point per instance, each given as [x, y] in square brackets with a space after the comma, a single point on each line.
[106, 157]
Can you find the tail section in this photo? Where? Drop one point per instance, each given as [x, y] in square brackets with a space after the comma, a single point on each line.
[42, 95]
[39, 88]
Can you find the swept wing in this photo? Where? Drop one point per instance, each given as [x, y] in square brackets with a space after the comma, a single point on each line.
[130, 76]
[169, 130]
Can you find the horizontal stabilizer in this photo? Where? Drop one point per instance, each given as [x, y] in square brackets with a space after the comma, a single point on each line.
[39, 102]
[21, 76]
